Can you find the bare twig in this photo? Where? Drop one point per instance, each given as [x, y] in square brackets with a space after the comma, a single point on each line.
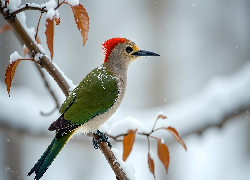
[5, 6]
[221, 124]
[49, 113]
[27, 7]
[37, 27]
[48, 87]
[59, 4]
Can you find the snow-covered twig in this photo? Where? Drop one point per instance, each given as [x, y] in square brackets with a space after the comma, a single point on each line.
[33, 49]
[29, 7]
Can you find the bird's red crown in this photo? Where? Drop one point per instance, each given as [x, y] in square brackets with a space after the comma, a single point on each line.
[109, 45]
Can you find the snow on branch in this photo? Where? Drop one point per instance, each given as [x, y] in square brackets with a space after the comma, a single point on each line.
[221, 97]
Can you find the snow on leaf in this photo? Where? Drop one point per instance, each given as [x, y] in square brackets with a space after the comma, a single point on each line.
[128, 142]
[10, 74]
[176, 136]
[82, 20]
[50, 35]
[163, 154]
[5, 27]
[151, 165]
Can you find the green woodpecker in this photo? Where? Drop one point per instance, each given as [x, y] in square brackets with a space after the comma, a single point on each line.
[93, 101]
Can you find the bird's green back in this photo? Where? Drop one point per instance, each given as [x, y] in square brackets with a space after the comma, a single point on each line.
[94, 95]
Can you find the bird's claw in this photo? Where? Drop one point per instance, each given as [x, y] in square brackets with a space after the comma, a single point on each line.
[102, 138]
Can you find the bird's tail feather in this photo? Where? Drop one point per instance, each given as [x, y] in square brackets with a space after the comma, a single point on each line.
[49, 155]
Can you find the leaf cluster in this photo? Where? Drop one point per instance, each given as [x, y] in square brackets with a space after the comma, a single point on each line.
[81, 20]
[162, 149]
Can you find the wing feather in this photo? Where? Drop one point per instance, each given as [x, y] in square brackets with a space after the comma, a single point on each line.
[95, 94]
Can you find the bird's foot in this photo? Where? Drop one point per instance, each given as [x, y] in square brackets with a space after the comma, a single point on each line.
[102, 138]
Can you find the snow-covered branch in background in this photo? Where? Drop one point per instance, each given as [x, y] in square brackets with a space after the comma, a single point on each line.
[222, 96]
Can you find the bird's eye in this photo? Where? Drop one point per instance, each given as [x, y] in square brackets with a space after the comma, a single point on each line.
[129, 49]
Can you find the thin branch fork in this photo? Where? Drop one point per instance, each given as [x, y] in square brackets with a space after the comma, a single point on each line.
[143, 134]
[30, 7]
[33, 49]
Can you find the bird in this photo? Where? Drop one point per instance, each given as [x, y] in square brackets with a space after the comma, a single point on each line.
[93, 101]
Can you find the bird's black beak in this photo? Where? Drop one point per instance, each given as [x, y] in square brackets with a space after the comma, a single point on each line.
[144, 53]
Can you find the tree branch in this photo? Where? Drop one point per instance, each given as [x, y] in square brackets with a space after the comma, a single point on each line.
[52, 70]
[48, 87]
[33, 49]
[110, 157]
[27, 7]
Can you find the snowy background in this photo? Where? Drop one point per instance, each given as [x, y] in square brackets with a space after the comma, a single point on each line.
[200, 81]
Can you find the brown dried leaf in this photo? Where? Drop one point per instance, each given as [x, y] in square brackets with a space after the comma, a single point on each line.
[10, 74]
[57, 21]
[50, 35]
[26, 49]
[37, 40]
[5, 27]
[161, 116]
[82, 20]
[8, 1]
[176, 136]
[163, 154]
[128, 142]
[151, 165]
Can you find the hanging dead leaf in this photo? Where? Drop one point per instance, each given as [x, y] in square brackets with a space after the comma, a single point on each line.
[10, 74]
[163, 154]
[151, 165]
[57, 21]
[176, 136]
[25, 51]
[5, 27]
[128, 142]
[50, 35]
[37, 40]
[82, 20]
[8, 1]
[10, 71]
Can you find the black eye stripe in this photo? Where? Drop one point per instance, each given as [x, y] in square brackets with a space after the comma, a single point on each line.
[129, 49]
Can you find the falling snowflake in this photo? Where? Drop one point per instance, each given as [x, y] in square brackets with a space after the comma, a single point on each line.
[7, 169]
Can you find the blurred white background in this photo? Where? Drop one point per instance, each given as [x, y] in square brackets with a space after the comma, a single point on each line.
[200, 81]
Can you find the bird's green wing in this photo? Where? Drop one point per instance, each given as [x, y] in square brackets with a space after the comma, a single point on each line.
[95, 94]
